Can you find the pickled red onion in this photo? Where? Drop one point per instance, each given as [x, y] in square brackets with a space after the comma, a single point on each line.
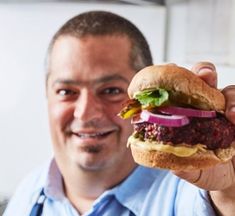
[187, 112]
[164, 120]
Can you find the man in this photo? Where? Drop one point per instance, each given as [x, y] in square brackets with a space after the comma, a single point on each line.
[91, 61]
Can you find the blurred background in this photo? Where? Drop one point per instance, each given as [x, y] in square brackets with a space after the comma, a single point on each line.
[179, 31]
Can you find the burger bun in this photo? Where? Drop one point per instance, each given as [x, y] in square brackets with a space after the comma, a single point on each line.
[164, 160]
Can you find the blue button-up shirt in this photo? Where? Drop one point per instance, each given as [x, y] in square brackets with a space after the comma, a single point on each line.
[145, 192]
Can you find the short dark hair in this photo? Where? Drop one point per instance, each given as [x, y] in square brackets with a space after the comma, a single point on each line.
[98, 23]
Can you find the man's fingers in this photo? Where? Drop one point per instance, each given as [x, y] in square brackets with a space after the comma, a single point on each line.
[207, 72]
[219, 177]
[229, 93]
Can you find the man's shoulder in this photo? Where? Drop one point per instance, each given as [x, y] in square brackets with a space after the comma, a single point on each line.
[28, 190]
[36, 178]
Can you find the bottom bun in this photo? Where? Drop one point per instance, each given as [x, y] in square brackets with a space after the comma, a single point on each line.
[164, 160]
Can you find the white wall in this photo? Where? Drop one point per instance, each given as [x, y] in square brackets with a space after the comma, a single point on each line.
[25, 31]
[203, 30]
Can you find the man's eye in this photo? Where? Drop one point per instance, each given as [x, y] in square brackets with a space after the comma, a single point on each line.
[113, 94]
[113, 91]
[65, 92]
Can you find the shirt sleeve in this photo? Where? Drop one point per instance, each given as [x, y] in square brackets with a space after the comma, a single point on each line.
[19, 203]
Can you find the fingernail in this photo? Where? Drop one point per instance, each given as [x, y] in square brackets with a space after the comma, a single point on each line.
[205, 69]
[232, 109]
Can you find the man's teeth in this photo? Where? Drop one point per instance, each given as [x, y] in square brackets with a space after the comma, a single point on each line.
[91, 135]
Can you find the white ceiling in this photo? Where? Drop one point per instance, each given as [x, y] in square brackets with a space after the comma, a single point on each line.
[134, 2]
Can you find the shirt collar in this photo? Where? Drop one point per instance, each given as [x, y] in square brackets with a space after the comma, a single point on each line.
[138, 183]
[50, 181]
[54, 184]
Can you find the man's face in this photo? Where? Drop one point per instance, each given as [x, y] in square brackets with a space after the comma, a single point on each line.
[86, 89]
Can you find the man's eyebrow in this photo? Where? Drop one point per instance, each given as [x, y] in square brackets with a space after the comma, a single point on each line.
[105, 79]
[115, 77]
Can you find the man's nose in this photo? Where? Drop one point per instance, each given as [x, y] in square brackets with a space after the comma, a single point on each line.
[88, 107]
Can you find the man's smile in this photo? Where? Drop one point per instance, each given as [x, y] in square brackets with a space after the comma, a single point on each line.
[94, 135]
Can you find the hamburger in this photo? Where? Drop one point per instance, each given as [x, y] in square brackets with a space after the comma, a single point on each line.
[178, 120]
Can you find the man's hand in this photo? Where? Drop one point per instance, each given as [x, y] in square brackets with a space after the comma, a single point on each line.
[221, 178]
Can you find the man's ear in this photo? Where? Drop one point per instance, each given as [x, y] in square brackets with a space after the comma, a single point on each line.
[46, 83]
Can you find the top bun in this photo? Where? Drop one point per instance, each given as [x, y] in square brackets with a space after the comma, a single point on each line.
[174, 78]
